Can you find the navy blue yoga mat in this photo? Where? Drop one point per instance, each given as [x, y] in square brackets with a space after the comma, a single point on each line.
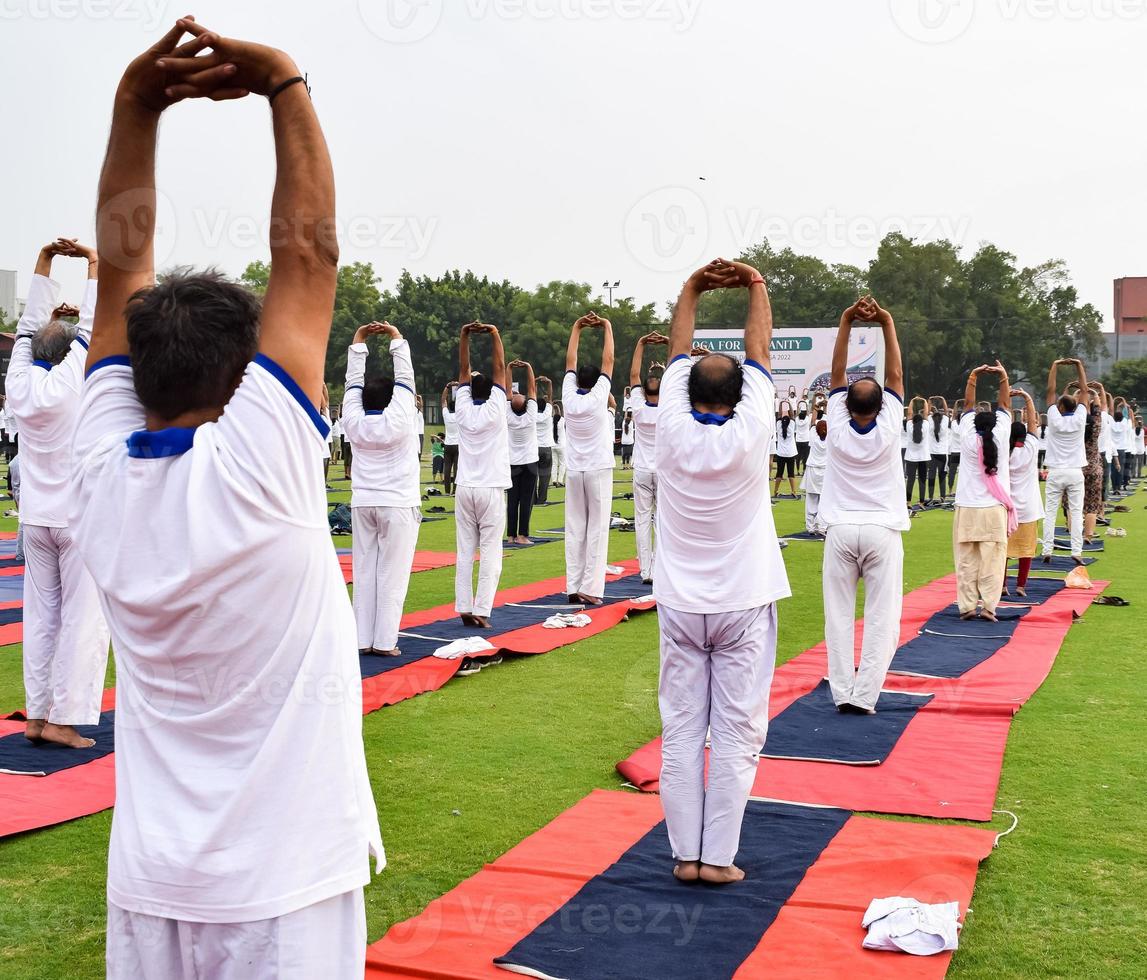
[421, 641]
[10, 616]
[1058, 563]
[811, 729]
[636, 921]
[1064, 544]
[949, 646]
[804, 536]
[11, 588]
[1039, 590]
[11, 563]
[18, 755]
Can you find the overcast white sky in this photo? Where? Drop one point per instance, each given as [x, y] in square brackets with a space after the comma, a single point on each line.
[543, 139]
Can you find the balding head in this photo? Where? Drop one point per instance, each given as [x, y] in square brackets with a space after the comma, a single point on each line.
[51, 341]
[518, 403]
[715, 384]
[864, 398]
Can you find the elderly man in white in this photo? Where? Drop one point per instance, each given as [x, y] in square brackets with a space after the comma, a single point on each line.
[379, 418]
[65, 636]
[718, 575]
[864, 508]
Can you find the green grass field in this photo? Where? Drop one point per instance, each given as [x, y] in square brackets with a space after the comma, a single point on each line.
[463, 774]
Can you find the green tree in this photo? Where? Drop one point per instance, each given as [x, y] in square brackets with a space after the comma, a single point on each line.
[1128, 379]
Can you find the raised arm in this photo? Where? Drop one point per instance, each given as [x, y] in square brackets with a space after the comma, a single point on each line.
[839, 377]
[759, 320]
[1084, 394]
[575, 341]
[637, 361]
[1004, 397]
[1053, 382]
[1031, 416]
[531, 381]
[498, 370]
[607, 348]
[464, 371]
[970, 388]
[871, 312]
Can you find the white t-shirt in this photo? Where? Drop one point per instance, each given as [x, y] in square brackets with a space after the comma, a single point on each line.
[483, 443]
[1064, 437]
[589, 425]
[717, 548]
[817, 450]
[917, 452]
[1140, 441]
[786, 445]
[546, 427]
[384, 469]
[803, 426]
[938, 445]
[450, 422]
[864, 478]
[45, 401]
[645, 441]
[1106, 445]
[419, 422]
[522, 432]
[972, 489]
[560, 439]
[1121, 433]
[241, 782]
[628, 432]
[1023, 474]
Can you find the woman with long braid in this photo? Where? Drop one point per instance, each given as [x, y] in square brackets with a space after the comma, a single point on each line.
[916, 456]
[985, 515]
[786, 450]
[1023, 473]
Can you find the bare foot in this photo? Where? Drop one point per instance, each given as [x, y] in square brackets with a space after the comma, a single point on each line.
[1047, 559]
[968, 615]
[469, 619]
[34, 729]
[1021, 591]
[687, 871]
[714, 875]
[589, 600]
[66, 735]
[482, 622]
[387, 653]
[989, 616]
[522, 539]
[1078, 561]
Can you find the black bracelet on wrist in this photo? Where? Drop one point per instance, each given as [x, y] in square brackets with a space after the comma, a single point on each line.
[287, 84]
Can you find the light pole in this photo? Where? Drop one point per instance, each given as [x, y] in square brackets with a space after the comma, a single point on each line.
[610, 287]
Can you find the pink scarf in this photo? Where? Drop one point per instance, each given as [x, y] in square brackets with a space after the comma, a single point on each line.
[996, 489]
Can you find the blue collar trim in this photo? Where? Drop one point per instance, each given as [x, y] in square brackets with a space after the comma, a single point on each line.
[708, 418]
[120, 360]
[478, 401]
[862, 429]
[374, 411]
[46, 365]
[160, 444]
[583, 391]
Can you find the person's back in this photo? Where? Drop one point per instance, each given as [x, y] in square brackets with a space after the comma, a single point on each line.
[483, 440]
[230, 619]
[715, 516]
[973, 490]
[588, 425]
[864, 477]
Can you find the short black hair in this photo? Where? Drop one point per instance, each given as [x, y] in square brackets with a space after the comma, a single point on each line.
[864, 400]
[377, 393]
[191, 336]
[653, 385]
[716, 380]
[587, 376]
[481, 387]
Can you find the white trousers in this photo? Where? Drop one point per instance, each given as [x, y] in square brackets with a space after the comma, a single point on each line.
[559, 457]
[1058, 483]
[65, 636]
[588, 496]
[327, 939]
[811, 509]
[383, 553]
[480, 519]
[876, 554]
[644, 507]
[716, 672]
